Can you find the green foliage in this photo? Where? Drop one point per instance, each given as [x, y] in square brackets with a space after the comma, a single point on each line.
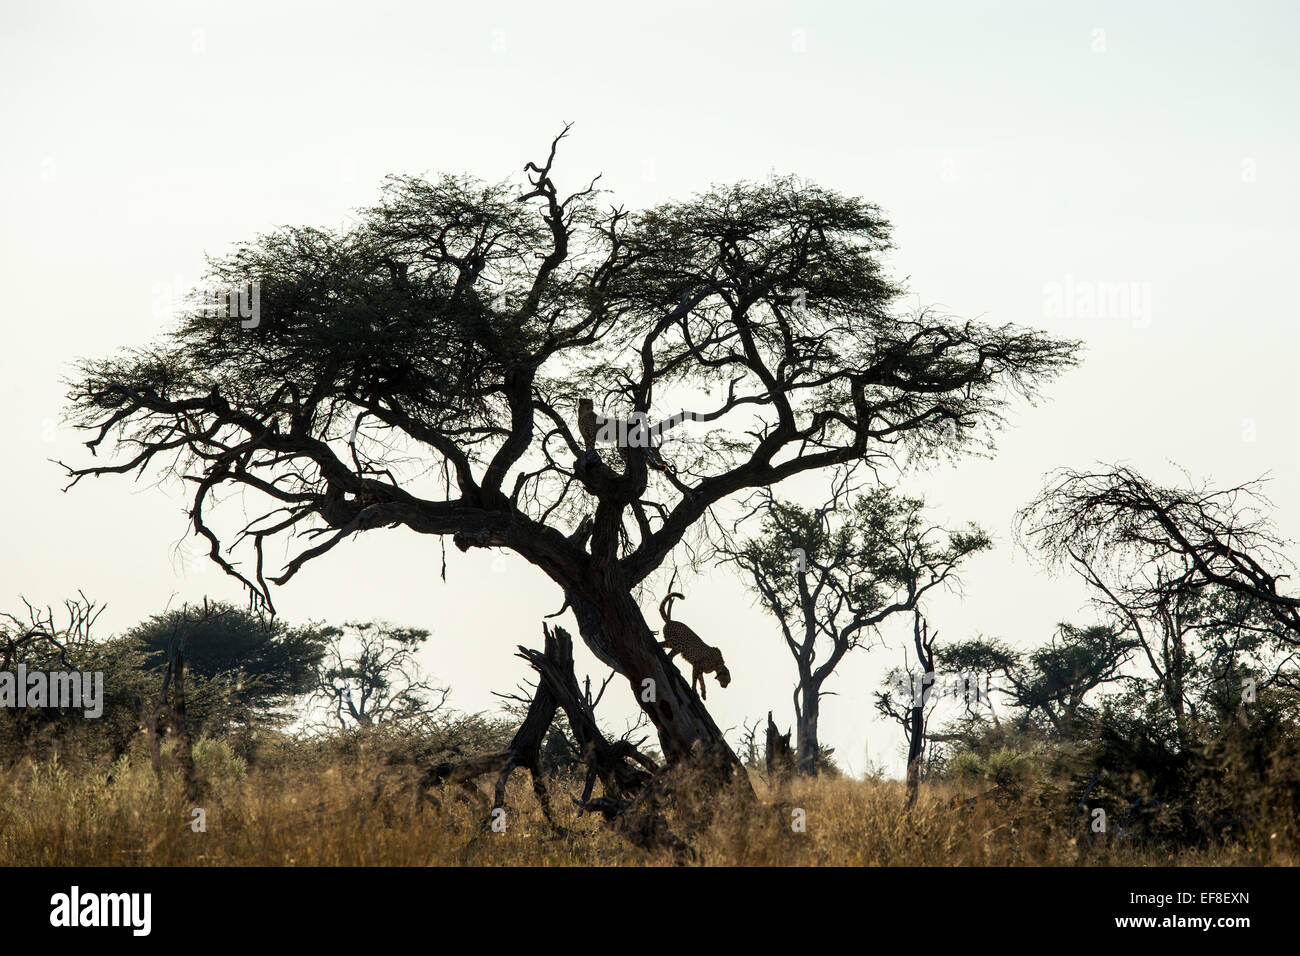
[239, 667]
[1218, 772]
[1048, 687]
[879, 552]
[25, 731]
[1007, 767]
[217, 766]
[445, 736]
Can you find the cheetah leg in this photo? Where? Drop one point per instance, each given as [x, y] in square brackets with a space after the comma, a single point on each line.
[697, 676]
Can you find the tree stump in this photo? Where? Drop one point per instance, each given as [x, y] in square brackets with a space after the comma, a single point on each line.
[779, 756]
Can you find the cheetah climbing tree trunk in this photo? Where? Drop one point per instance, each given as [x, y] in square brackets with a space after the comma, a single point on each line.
[613, 626]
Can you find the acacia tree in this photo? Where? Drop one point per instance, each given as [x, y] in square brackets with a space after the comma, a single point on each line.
[41, 640]
[1047, 687]
[36, 636]
[369, 675]
[1192, 574]
[422, 369]
[911, 709]
[832, 575]
[1154, 537]
[243, 668]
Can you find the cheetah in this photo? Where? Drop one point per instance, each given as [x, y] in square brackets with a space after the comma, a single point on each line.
[589, 424]
[680, 639]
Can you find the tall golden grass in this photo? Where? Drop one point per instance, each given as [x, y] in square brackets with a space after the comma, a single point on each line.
[359, 810]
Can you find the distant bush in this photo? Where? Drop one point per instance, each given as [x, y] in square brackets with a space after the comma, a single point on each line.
[216, 764]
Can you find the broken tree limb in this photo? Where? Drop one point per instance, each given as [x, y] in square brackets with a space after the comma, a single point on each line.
[622, 769]
[778, 754]
[524, 751]
[634, 786]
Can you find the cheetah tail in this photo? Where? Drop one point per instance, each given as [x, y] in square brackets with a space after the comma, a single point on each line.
[666, 605]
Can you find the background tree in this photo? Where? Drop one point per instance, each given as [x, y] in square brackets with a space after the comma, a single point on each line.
[43, 639]
[1115, 522]
[832, 575]
[171, 700]
[243, 667]
[910, 699]
[423, 368]
[1050, 691]
[1046, 687]
[370, 675]
[1195, 625]
[39, 633]
[1175, 568]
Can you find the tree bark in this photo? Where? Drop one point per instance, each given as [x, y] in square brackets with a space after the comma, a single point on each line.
[621, 768]
[777, 754]
[524, 751]
[915, 745]
[923, 640]
[809, 749]
[612, 625]
[151, 717]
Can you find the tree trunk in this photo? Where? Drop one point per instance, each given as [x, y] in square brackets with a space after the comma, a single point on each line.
[151, 717]
[613, 626]
[924, 643]
[524, 751]
[915, 744]
[622, 769]
[778, 757]
[806, 742]
[526, 748]
[1176, 673]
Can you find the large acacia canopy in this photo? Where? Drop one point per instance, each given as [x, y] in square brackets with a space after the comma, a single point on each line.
[422, 369]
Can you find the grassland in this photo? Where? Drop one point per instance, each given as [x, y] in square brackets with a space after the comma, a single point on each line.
[359, 810]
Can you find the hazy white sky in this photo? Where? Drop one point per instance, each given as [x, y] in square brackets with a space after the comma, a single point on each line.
[1020, 149]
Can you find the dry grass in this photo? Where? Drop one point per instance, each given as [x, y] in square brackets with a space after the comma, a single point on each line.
[361, 812]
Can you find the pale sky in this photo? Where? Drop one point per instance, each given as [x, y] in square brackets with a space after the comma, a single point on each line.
[1020, 149]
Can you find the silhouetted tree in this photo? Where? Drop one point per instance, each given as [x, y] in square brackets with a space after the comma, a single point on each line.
[43, 639]
[423, 370]
[910, 698]
[369, 675]
[831, 575]
[1172, 566]
[1046, 686]
[242, 665]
